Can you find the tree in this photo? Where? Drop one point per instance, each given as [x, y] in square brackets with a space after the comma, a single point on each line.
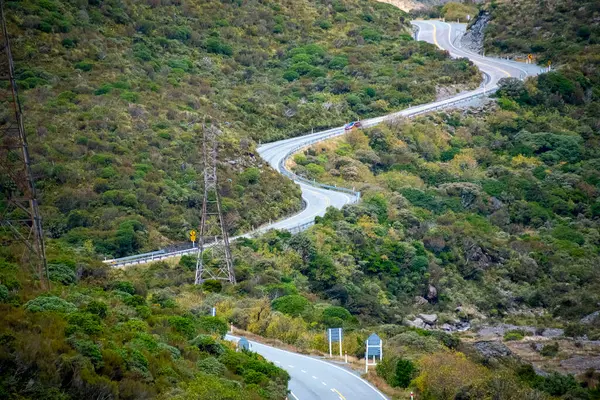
[443, 375]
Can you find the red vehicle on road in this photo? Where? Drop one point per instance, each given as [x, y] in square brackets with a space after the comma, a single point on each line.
[352, 125]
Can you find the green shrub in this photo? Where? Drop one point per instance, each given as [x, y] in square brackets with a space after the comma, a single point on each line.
[62, 273]
[250, 176]
[293, 305]
[338, 62]
[212, 325]
[212, 286]
[291, 75]
[89, 349]
[124, 286]
[3, 293]
[183, 325]
[212, 366]
[550, 350]
[563, 232]
[84, 65]
[130, 97]
[208, 344]
[405, 372]
[216, 46]
[84, 322]
[98, 308]
[69, 43]
[514, 335]
[106, 88]
[50, 303]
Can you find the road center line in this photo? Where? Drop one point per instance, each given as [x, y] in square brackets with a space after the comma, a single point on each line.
[339, 394]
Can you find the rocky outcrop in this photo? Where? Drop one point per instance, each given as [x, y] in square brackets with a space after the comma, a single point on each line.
[590, 319]
[473, 38]
[492, 350]
[429, 319]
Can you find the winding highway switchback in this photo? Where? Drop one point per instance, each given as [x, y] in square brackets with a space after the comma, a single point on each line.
[312, 378]
[443, 35]
[317, 198]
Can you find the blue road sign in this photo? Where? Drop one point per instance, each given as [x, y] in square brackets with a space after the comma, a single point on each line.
[335, 334]
[374, 340]
[374, 346]
[243, 344]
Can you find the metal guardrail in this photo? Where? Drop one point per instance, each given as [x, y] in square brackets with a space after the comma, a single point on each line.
[162, 254]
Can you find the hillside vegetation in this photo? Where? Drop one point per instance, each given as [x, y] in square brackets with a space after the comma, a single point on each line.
[115, 92]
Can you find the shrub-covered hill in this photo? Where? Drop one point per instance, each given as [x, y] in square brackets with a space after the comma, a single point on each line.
[113, 92]
[563, 32]
[106, 338]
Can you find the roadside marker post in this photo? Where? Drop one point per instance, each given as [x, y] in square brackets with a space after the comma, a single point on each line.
[412, 396]
[374, 349]
[334, 335]
[213, 312]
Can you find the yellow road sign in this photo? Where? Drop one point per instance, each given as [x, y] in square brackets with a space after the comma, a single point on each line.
[530, 56]
[193, 235]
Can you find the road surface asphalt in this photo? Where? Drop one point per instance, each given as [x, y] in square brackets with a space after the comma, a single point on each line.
[316, 199]
[442, 35]
[315, 379]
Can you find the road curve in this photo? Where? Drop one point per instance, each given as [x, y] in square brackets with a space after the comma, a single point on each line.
[442, 35]
[315, 379]
[317, 199]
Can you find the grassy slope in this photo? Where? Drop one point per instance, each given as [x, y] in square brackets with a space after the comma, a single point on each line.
[113, 93]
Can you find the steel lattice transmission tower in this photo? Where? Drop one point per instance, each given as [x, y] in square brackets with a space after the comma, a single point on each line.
[214, 259]
[19, 212]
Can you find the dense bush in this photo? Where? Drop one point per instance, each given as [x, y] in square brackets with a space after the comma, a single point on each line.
[293, 305]
[50, 303]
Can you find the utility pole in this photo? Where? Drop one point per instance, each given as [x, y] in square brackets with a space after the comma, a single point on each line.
[214, 259]
[19, 211]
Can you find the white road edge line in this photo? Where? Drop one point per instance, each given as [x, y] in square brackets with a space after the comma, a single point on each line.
[326, 363]
[294, 396]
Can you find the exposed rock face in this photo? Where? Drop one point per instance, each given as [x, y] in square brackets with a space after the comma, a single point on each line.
[492, 349]
[417, 323]
[589, 319]
[432, 294]
[553, 332]
[473, 39]
[429, 318]
[420, 300]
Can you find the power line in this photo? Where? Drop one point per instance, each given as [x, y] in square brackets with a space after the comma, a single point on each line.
[19, 211]
[214, 261]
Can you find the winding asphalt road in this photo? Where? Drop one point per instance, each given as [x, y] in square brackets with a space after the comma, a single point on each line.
[442, 35]
[315, 379]
[317, 199]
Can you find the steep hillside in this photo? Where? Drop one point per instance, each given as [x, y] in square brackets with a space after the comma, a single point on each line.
[114, 93]
[562, 32]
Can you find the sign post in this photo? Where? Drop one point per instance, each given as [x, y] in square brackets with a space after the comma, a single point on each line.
[193, 238]
[374, 349]
[529, 58]
[334, 335]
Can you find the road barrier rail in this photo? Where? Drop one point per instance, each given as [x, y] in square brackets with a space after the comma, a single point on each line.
[164, 254]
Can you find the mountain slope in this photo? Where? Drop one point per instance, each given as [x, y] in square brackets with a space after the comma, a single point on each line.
[114, 93]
